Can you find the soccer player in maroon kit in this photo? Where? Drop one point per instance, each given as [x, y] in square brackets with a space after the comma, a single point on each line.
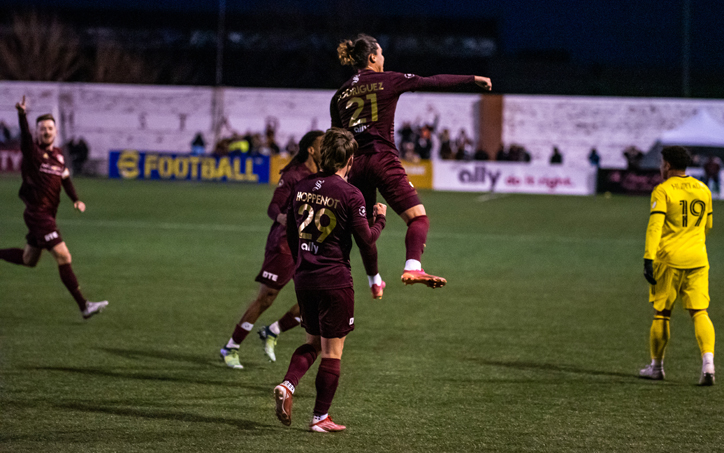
[365, 105]
[326, 212]
[44, 172]
[278, 264]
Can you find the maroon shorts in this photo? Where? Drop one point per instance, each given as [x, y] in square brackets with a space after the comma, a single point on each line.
[383, 171]
[327, 312]
[277, 270]
[42, 231]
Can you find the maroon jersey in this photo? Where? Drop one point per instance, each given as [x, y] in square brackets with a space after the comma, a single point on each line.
[277, 239]
[43, 172]
[366, 103]
[325, 213]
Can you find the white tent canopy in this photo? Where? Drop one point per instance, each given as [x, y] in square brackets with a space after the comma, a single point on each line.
[699, 130]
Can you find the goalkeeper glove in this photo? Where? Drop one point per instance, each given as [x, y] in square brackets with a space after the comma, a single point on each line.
[649, 271]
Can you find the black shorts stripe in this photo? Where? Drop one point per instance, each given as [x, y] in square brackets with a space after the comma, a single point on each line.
[658, 212]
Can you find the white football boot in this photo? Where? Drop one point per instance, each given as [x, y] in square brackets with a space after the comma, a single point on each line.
[653, 372]
[93, 308]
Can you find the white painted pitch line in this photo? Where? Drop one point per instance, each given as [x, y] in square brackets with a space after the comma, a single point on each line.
[491, 196]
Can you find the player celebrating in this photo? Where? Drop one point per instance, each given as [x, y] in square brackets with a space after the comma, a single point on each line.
[278, 264]
[326, 212]
[676, 262]
[43, 171]
[365, 105]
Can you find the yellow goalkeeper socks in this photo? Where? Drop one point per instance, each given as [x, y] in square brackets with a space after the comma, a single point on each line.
[659, 337]
[704, 331]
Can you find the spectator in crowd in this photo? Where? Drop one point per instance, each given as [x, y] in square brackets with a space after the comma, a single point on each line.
[712, 167]
[78, 152]
[269, 144]
[594, 158]
[408, 152]
[198, 145]
[5, 135]
[406, 133]
[423, 143]
[556, 157]
[481, 154]
[292, 147]
[502, 154]
[633, 157]
[464, 146]
[517, 153]
[446, 152]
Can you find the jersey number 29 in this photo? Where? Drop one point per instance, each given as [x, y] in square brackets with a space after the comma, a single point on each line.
[324, 229]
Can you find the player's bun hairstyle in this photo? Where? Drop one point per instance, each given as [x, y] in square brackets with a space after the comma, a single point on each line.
[677, 156]
[47, 116]
[356, 53]
[337, 147]
[303, 153]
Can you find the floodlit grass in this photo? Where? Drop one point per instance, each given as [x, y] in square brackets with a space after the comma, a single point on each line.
[534, 345]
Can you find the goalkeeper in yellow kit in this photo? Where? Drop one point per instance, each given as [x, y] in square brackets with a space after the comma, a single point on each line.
[675, 261]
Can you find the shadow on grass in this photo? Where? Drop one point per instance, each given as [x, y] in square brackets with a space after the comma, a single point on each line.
[245, 425]
[135, 354]
[533, 366]
[262, 389]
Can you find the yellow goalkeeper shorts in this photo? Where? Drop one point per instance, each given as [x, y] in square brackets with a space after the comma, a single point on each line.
[692, 285]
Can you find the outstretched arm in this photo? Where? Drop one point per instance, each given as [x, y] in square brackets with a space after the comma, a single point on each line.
[442, 82]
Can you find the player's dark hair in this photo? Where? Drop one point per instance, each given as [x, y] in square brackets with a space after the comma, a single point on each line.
[47, 116]
[356, 53]
[677, 156]
[303, 153]
[337, 147]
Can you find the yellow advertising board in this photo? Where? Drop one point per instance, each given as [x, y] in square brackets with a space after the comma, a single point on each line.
[276, 163]
[419, 173]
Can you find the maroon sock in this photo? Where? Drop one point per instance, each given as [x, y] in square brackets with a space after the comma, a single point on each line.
[302, 359]
[288, 321]
[327, 381]
[416, 237]
[239, 333]
[14, 256]
[70, 282]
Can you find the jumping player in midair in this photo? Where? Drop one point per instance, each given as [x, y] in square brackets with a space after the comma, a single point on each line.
[365, 105]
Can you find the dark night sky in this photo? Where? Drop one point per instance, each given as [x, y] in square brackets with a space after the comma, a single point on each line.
[628, 32]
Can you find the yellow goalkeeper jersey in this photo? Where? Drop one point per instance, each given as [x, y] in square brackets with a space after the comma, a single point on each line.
[680, 219]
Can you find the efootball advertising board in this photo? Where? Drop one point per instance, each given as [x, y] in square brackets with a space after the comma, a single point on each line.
[133, 164]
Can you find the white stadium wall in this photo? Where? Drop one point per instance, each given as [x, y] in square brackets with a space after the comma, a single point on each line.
[158, 118]
[577, 124]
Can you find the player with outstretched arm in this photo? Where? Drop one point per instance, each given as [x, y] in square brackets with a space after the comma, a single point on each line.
[278, 266]
[675, 260]
[365, 105]
[43, 171]
[325, 213]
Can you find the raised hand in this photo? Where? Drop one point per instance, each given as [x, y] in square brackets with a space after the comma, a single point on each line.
[21, 106]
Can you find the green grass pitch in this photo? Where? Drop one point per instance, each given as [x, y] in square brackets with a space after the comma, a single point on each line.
[534, 345]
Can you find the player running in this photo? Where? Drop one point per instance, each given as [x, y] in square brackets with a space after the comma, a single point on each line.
[365, 105]
[326, 211]
[675, 261]
[278, 264]
[44, 172]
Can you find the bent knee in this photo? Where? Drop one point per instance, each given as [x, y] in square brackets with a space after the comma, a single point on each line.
[63, 258]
